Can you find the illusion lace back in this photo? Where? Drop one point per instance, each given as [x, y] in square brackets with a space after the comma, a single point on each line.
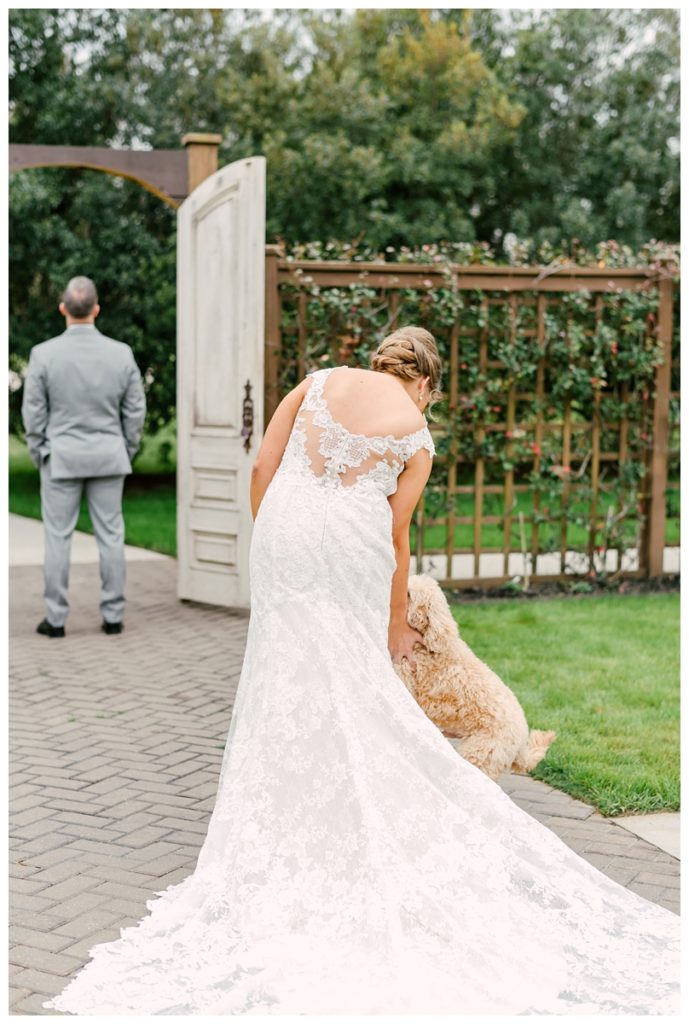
[354, 862]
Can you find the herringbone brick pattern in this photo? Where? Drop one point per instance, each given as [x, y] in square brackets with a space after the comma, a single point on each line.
[116, 748]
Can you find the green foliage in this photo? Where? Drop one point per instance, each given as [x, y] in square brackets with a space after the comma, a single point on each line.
[546, 130]
[120, 236]
[65, 222]
[397, 126]
[597, 154]
[600, 371]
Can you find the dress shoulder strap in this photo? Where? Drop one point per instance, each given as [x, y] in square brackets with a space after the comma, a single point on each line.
[413, 443]
[313, 398]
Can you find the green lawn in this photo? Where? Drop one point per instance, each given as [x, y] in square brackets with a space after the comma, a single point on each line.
[549, 532]
[603, 672]
[149, 501]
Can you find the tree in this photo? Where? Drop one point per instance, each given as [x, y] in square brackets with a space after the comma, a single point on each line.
[594, 157]
[390, 127]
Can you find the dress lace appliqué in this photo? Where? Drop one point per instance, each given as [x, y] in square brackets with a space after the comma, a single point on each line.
[354, 862]
[336, 456]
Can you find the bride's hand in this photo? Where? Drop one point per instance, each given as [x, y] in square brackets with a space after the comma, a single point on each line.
[401, 640]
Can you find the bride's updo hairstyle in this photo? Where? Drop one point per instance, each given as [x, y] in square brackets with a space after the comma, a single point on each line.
[410, 352]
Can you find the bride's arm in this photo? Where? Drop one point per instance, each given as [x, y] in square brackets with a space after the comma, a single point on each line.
[274, 443]
[410, 485]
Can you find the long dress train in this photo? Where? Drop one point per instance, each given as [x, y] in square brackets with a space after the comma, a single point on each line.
[354, 862]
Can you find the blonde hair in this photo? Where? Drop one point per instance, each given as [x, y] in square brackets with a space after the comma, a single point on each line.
[411, 352]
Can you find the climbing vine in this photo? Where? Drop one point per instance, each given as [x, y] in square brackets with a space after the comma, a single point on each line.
[597, 354]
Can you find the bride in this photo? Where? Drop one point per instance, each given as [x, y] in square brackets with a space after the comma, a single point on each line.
[354, 863]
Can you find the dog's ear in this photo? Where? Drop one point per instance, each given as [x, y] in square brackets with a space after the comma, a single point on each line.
[442, 628]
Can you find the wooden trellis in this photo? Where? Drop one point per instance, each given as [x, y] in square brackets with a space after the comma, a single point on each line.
[509, 289]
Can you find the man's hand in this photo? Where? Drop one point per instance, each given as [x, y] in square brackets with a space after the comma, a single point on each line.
[133, 409]
[401, 640]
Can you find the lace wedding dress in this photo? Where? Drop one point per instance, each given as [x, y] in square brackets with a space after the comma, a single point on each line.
[354, 862]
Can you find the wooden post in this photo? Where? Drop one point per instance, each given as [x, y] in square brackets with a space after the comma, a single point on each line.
[479, 438]
[202, 156]
[655, 532]
[273, 341]
[542, 306]
[453, 451]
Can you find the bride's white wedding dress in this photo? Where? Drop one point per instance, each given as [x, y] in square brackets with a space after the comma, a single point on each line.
[354, 862]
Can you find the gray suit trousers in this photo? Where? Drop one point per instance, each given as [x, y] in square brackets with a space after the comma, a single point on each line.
[60, 501]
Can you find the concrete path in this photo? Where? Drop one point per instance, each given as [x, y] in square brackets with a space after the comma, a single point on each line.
[661, 829]
[116, 744]
[26, 545]
[546, 564]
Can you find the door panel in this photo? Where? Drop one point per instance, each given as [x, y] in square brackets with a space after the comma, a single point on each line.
[220, 343]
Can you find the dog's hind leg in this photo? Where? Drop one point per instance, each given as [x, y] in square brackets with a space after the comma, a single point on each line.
[486, 752]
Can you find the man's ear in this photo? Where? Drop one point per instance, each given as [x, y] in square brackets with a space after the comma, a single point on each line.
[95, 311]
[62, 309]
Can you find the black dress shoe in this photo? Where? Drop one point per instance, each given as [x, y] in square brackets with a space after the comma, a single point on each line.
[111, 627]
[45, 627]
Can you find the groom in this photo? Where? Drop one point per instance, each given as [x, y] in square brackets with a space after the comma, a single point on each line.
[83, 411]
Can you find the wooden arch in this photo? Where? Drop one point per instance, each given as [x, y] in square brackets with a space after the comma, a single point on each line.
[169, 174]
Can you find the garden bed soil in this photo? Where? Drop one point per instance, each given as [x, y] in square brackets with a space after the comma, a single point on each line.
[668, 584]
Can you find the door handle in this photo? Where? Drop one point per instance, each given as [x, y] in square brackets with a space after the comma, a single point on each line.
[247, 416]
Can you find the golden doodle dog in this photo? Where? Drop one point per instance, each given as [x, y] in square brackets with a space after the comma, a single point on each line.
[461, 695]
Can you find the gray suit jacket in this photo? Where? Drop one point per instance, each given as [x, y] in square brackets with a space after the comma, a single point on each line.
[83, 405]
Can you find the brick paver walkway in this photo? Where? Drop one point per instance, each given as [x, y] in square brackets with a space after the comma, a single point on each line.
[116, 747]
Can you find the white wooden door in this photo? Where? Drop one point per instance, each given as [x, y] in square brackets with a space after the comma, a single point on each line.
[220, 341]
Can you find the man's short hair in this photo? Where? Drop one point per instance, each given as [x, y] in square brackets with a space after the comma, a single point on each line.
[80, 296]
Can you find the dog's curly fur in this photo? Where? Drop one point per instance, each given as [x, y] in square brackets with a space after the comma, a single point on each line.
[462, 695]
